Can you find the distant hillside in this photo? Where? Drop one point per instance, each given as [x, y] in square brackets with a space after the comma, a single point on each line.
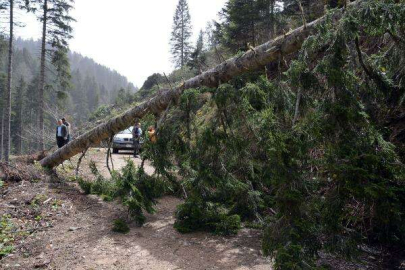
[93, 84]
[111, 79]
[103, 75]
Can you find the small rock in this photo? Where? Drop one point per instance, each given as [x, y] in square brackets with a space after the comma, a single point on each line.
[47, 201]
[14, 202]
[41, 264]
[72, 229]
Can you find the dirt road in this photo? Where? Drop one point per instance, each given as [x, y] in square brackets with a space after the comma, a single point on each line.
[81, 236]
[119, 161]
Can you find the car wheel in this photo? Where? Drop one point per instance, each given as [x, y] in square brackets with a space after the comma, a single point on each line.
[115, 151]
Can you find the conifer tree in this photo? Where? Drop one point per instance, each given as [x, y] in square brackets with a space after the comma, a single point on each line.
[181, 34]
[247, 23]
[93, 93]
[18, 109]
[79, 99]
[270, 8]
[3, 78]
[209, 39]
[312, 9]
[7, 109]
[56, 31]
[198, 56]
[241, 19]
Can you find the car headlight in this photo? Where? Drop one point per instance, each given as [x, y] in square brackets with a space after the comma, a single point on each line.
[117, 140]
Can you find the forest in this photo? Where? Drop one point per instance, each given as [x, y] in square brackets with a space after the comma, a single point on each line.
[279, 135]
[97, 84]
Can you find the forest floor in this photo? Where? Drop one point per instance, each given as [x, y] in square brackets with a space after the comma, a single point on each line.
[61, 228]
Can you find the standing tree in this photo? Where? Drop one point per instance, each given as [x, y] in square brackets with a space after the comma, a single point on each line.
[246, 23]
[3, 79]
[182, 31]
[312, 9]
[198, 57]
[270, 10]
[7, 111]
[240, 24]
[18, 108]
[92, 91]
[56, 31]
[209, 37]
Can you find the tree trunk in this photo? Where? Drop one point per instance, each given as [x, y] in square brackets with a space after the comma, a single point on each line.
[249, 61]
[41, 88]
[7, 112]
[19, 112]
[182, 39]
[297, 106]
[271, 23]
[1, 133]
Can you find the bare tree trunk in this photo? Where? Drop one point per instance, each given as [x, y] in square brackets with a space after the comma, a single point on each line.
[304, 20]
[297, 106]
[7, 112]
[80, 162]
[1, 133]
[41, 89]
[19, 112]
[182, 40]
[18, 142]
[271, 24]
[264, 54]
[108, 157]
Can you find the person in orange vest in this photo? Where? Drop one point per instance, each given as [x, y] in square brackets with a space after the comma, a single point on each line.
[152, 134]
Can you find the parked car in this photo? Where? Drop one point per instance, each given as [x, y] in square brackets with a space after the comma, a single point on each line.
[123, 141]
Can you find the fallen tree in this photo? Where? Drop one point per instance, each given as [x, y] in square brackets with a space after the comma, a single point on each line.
[30, 159]
[267, 53]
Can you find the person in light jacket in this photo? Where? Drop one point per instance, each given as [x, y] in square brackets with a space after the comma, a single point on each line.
[61, 134]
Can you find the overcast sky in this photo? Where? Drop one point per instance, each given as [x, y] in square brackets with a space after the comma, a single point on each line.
[130, 36]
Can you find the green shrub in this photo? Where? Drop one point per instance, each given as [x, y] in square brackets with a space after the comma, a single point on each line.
[6, 236]
[120, 226]
[135, 189]
[86, 186]
[199, 216]
[104, 187]
[138, 191]
[228, 225]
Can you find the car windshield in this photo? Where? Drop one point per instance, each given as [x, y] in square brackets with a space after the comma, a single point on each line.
[127, 131]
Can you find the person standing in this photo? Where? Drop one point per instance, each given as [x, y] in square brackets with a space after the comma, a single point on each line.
[61, 134]
[152, 134]
[68, 127]
[136, 135]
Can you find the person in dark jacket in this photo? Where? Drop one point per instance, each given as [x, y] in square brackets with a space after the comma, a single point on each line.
[68, 126]
[136, 136]
[61, 134]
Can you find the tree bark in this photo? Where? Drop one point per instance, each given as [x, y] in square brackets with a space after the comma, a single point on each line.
[18, 117]
[7, 112]
[41, 88]
[1, 133]
[18, 140]
[80, 162]
[297, 106]
[252, 60]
